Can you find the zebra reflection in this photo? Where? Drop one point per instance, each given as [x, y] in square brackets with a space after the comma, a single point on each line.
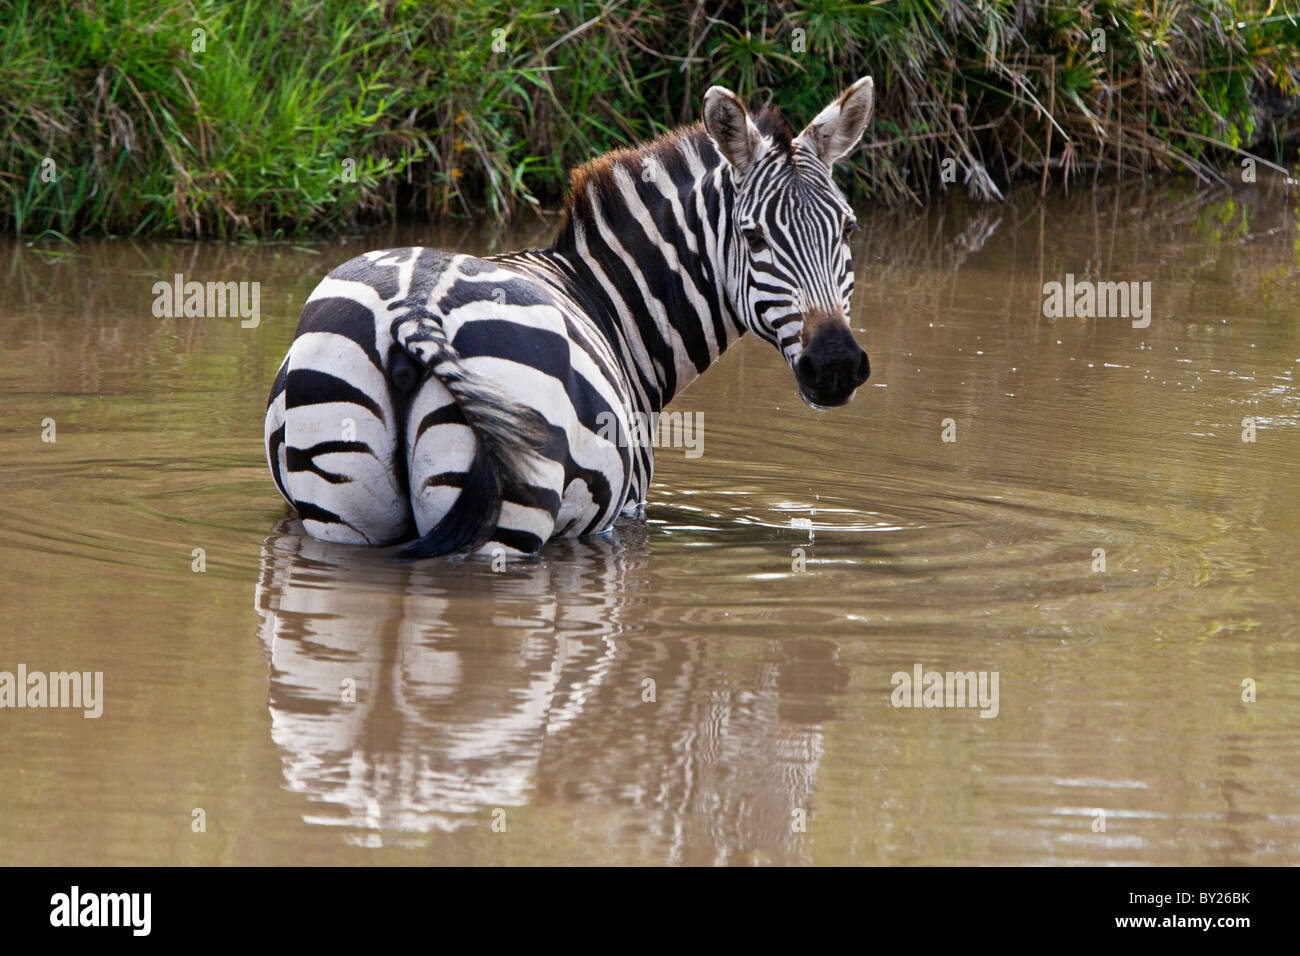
[410, 698]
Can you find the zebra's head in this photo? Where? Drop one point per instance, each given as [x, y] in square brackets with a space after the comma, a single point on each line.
[789, 271]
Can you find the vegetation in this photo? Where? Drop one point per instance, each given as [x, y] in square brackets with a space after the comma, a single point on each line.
[225, 118]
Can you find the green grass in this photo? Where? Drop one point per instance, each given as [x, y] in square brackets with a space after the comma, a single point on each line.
[320, 115]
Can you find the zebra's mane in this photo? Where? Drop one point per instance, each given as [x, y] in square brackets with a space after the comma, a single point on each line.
[595, 179]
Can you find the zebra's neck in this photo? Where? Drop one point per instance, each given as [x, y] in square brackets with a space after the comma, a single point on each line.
[646, 245]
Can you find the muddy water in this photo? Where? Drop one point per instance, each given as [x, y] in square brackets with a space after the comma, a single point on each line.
[714, 684]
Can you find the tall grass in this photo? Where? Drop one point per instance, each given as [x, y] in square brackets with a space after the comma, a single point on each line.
[205, 119]
[309, 115]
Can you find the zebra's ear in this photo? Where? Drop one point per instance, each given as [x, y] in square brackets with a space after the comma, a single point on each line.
[729, 126]
[837, 129]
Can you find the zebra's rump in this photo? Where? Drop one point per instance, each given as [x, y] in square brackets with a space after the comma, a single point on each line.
[424, 388]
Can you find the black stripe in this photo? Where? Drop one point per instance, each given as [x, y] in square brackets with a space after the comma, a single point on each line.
[345, 317]
[445, 479]
[309, 386]
[514, 291]
[274, 441]
[524, 541]
[449, 414]
[310, 512]
[539, 349]
[304, 459]
[276, 438]
[278, 385]
[383, 277]
[533, 496]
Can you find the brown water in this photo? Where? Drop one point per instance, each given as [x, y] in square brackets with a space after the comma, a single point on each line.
[777, 584]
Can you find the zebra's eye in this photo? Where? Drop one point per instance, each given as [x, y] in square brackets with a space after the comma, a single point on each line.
[754, 236]
[850, 230]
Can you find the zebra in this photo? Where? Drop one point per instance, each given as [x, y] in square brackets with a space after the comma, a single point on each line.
[488, 404]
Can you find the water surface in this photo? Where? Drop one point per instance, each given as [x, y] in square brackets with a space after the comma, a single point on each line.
[776, 585]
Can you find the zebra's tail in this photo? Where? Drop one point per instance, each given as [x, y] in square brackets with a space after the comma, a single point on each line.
[510, 437]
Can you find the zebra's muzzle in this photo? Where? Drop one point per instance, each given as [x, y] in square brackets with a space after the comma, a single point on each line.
[831, 366]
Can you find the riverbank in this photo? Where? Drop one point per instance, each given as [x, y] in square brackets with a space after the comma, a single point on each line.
[227, 118]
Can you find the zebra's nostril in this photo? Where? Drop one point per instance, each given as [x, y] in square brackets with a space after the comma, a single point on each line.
[832, 365]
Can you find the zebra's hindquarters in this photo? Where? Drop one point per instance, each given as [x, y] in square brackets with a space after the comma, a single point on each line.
[333, 430]
[480, 478]
[440, 451]
[456, 398]
[372, 440]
